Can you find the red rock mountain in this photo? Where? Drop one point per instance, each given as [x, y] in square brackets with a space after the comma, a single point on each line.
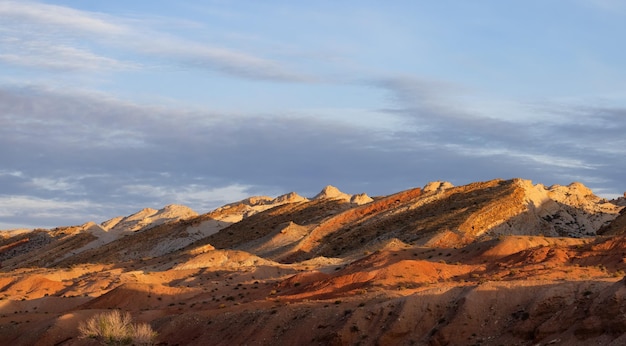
[500, 262]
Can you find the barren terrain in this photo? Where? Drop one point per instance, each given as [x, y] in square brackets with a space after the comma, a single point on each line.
[502, 262]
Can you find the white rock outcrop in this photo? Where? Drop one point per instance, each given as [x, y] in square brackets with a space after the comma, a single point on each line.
[360, 199]
[571, 210]
[148, 217]
[331, 192]
[436, 186]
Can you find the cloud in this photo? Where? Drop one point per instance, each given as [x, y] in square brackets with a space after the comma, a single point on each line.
[51, 37]
[99, 156]
[232, 62]
[57, 38]
[46, 55]
[53, 184]
[553, 138]
[42, 209]
[75, 117]
[11, 173]
[53, 17]
[200, 196]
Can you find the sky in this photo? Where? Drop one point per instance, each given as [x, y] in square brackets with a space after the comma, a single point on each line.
[108, 107]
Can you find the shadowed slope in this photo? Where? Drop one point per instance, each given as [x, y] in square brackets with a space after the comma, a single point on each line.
[264, 223]
[616, 227]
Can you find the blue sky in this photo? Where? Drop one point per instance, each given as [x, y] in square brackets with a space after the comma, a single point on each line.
[108, 107]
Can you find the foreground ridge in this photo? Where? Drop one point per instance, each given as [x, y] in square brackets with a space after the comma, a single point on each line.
[494, 262]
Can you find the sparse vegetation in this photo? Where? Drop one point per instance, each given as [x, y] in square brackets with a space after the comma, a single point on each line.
[392, 282]
[116, 328]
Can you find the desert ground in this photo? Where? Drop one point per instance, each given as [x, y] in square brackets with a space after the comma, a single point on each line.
[502, 262]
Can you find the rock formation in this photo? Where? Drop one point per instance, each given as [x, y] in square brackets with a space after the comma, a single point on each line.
[495, 262]
[331, 192]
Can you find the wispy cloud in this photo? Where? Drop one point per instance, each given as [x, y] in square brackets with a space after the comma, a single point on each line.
[44, 55]
[126, 156]
[201, 196]
[232, 62]
[60, 17]
[346, 106]
[51, 184]
[11, 173]
[564, 136]
[41, 208]
[54, 37]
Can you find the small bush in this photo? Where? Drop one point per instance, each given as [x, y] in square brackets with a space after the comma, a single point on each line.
[116, 328]
[143, 334]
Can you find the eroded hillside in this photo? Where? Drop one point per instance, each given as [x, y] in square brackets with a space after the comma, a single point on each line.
[488, 263]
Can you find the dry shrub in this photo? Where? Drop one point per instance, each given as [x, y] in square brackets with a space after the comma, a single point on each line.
[143, 334]
[116, 328]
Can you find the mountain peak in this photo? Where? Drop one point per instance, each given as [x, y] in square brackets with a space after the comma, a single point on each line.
[290, 197]
[149, 216]
[175, 211]
[331, 192]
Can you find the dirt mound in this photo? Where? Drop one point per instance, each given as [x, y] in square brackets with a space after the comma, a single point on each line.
[223, 259]
[137, 296]
[33, 286]
[515, 244]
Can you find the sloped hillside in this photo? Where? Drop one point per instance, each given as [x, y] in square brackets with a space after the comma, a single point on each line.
[444, 216]
[616, 227]
[501, 262]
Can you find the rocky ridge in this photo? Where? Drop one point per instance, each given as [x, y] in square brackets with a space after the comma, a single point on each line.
[494, 262]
